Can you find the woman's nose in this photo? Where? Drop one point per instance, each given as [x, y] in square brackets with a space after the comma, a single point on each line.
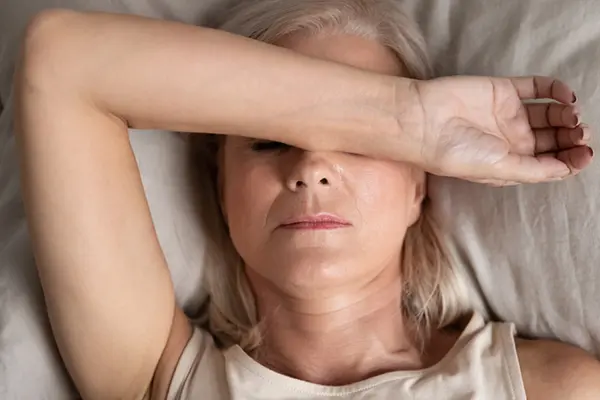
[312, 171]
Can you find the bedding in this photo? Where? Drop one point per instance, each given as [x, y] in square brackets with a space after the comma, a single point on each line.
[530, 251]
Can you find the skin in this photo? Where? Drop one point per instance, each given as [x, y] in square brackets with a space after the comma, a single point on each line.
[91, 228]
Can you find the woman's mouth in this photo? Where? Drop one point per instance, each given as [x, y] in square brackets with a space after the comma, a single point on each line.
[316, 222]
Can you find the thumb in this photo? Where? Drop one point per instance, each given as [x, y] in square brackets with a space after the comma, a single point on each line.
[531, 169]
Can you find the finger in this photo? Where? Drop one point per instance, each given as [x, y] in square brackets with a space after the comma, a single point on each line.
[531, 169]
[555, 139]
[577, 158]
[496, 182]
[543, 87]
[548, 115]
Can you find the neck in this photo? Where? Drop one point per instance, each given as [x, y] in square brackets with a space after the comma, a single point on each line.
[345, 336]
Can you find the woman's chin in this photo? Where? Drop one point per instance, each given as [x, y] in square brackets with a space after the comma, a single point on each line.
[312, 270]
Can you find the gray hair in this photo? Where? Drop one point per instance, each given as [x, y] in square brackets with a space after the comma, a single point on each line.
[380, 20]
[433, 293]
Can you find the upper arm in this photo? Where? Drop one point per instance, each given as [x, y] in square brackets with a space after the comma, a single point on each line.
[553, 370]
[105, 280]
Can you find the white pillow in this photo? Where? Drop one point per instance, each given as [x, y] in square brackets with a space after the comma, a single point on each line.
[532, 249]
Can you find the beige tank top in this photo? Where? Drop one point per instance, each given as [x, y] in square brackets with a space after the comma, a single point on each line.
[483, 364]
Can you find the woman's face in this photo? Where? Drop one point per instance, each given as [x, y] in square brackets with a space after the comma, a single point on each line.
[304, 222]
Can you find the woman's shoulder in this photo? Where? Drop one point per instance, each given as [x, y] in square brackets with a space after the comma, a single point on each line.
[555, 370]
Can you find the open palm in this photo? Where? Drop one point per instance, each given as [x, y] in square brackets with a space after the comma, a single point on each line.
[479, 129]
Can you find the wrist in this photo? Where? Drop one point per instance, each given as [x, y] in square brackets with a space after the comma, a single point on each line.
[407, 139]
[397, 133]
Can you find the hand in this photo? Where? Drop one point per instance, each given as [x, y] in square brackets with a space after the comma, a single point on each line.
[479, 129]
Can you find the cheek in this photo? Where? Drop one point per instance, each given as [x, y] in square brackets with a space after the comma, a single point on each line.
[249, 189]
[384, 193]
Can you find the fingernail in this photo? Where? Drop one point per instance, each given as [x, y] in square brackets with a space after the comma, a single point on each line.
[577, 118]
[574, 98]
[591, 151]
[587, 133]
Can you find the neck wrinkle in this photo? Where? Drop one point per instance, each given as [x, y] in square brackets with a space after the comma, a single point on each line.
[344, 336]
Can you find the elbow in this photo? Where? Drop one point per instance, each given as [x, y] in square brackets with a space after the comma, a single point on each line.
[45, 55]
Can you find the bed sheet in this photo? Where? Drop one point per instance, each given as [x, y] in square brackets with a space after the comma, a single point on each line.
[531, 251]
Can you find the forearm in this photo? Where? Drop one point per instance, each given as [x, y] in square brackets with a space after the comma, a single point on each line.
[166, 75]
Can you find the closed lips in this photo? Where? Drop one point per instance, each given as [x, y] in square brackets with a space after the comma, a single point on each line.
[316, 222]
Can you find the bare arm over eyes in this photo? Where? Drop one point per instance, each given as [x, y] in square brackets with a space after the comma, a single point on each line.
[166, 75]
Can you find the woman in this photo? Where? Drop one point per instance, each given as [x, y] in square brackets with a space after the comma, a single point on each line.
[319, 171]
